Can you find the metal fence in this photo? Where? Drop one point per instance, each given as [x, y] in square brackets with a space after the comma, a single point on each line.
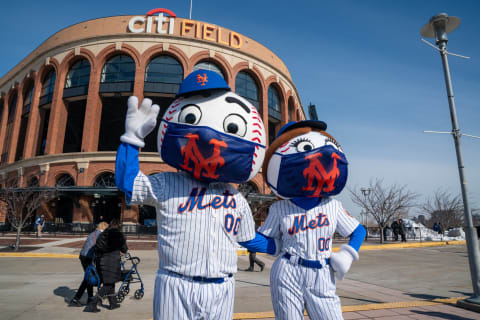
[53, 229]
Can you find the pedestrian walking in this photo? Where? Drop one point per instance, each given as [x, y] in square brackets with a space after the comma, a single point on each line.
[252, 257]
[39, 224]
[395, 230]
[86, 257]
[107, 256]
[402, 230]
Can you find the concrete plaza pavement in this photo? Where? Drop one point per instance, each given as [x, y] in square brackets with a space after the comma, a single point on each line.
[407, 283]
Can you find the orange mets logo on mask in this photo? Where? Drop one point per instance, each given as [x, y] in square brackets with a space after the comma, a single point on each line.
[202, 168]
[315, 172]
[202, 79]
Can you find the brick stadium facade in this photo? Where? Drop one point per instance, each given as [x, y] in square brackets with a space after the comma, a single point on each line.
[62, 108]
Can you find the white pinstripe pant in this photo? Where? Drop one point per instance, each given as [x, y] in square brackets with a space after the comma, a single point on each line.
[295, 287]
[179, 298]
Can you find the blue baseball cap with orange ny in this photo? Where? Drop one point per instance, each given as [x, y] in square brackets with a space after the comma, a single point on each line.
[201, 80]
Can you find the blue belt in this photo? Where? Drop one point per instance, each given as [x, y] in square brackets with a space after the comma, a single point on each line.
[308, 263]
[202, 279]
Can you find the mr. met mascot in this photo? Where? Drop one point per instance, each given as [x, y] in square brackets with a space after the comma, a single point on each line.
[213, 137]
[306, 166]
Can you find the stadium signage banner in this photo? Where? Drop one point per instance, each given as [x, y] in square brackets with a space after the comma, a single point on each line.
[164, 23]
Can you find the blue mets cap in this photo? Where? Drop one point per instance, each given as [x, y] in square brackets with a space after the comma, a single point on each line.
[302, 124]
[201, 80]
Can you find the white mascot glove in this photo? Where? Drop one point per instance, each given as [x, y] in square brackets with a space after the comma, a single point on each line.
[342, 260]
[140, 121]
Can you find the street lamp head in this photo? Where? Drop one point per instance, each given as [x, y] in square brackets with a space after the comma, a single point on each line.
[365, 191]
[439, 26]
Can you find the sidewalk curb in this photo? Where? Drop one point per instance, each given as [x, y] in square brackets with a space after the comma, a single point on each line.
[363, 307]
[244, 252]
[36, 255]
[411, 245]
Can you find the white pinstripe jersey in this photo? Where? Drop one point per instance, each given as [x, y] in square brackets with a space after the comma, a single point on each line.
[308, 233]
[198, 223]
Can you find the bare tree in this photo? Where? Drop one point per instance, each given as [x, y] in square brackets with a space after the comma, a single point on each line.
[20, 203]
[444, 209]
[384, 203]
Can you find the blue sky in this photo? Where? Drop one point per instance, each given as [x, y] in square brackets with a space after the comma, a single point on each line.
[360, 62]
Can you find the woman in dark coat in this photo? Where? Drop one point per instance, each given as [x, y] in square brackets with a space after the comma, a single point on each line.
[107, 251]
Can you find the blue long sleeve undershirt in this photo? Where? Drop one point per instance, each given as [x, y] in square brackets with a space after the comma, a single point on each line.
[260, 243]
[126, 168]
[357, 237]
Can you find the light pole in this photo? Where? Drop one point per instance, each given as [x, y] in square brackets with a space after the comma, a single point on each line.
[438, 27]
[366, 192]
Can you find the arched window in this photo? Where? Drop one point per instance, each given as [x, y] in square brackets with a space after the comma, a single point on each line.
[48, 85]
[105, 180]
[274, 113]
[245, 86]
[65, 180]
[78, 75]
[27, 99]
[33, 182]
[291, 110]
[274, 103]
[118, 69]
[209, 65]
[163, 74]
[12, 106]
[75, 97]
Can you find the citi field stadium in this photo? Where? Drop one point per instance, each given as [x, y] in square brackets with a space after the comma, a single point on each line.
[63, 107]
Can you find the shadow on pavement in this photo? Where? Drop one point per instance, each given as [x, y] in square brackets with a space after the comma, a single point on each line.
[358, 299]
[426, 296]
[254, 283]
[440, 315]
[65, 292]
[467, 294]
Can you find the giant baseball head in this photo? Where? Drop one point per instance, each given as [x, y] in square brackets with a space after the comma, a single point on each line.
[305, 161]
[212, 133]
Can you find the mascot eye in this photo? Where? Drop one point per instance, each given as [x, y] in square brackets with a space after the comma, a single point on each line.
[235, 124]
[303, 145]
[190, 114]
[331, 142]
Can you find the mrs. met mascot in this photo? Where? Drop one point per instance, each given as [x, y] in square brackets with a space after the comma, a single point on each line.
[306, 166]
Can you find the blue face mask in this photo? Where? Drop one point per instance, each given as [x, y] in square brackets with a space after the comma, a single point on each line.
[207, 154]
[317, 173]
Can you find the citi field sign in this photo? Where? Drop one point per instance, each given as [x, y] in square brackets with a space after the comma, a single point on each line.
[162, 21]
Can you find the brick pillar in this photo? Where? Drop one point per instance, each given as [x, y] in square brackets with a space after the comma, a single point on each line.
[93, 114]
[264, 106]
[139, 81]
[129, 215]
[284, 111]
[58, 118]
[3, 123]
[33, 121]
[82, 211]
[43, 179]
[16, 125]
[82, 173]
